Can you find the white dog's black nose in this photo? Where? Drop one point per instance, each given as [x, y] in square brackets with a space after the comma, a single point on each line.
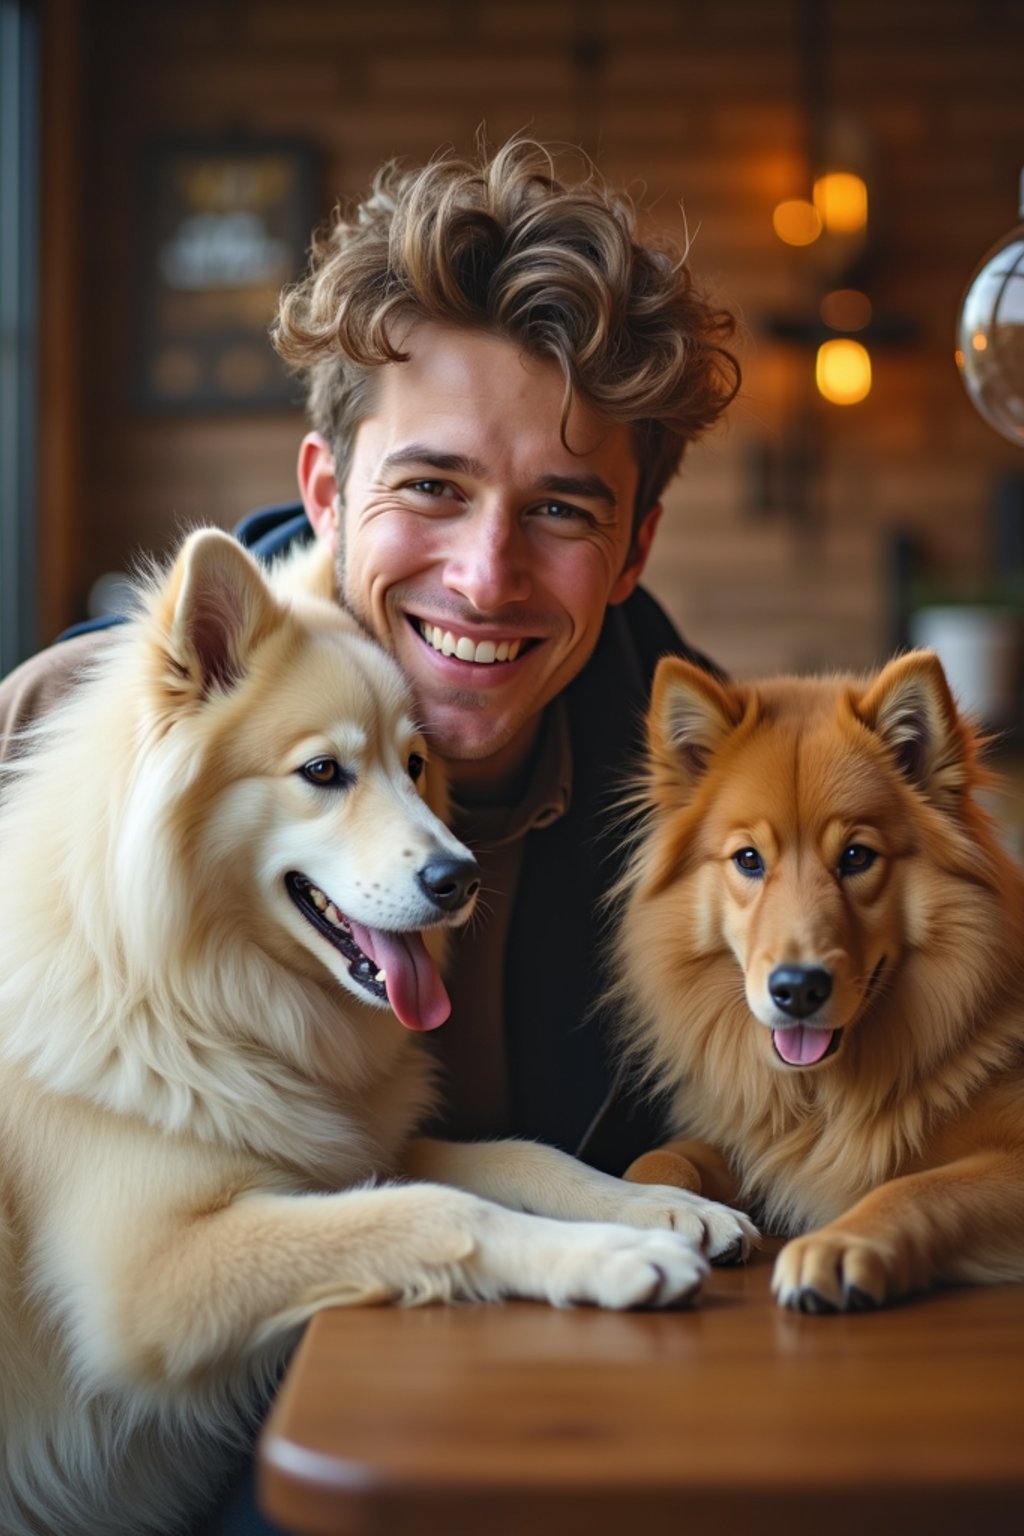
[450, 882]
[799, 990]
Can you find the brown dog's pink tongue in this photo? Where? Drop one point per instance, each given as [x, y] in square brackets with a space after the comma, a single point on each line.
[800, 1045]
[414, 987]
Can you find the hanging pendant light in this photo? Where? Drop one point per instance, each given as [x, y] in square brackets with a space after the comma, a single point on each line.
[990, 335]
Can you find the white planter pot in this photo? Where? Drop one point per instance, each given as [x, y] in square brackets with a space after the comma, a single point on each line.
[979, 647]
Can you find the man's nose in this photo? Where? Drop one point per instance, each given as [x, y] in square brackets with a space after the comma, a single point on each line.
[488, 559]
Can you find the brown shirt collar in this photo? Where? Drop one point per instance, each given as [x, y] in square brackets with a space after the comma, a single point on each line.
[547, 794]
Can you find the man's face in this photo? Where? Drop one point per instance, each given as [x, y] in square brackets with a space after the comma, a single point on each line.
[479, 549]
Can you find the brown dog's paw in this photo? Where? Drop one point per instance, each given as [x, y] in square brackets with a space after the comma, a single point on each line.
[835, 1272]
[664, 1167]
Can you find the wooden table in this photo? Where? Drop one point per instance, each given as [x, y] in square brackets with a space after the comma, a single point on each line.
[517, 1420]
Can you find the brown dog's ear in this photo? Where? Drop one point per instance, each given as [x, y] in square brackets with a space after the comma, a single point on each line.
[691, 715]
[215, 608]
[909, 705]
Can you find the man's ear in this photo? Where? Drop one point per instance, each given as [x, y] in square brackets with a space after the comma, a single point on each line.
[318, 487]
[639, 550]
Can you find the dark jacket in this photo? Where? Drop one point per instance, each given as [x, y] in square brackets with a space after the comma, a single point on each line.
[562, 1055]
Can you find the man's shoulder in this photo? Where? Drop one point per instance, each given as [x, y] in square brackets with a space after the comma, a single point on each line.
[635, 636]
[649, 630]
[271, 530]
[607, 701]
[33, 688]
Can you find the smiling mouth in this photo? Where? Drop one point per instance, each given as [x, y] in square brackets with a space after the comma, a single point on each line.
[482, 652]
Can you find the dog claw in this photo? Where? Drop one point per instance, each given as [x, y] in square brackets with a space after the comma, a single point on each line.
[736, 1253]
[660, 1278]
[815, 1303]
[656, 1301]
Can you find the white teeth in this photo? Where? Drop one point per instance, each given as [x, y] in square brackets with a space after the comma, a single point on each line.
[381, 976]
[328, 909]
[484, 652]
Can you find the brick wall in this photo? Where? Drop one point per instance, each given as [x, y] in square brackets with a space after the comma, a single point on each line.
[693, 105]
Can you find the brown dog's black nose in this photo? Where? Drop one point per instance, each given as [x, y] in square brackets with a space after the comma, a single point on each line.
[450, 882]
[799, 990]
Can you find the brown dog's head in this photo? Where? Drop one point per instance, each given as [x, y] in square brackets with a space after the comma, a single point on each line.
[809, 830]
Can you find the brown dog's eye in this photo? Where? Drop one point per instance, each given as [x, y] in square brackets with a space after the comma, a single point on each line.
[416, 765]
[856, 859]
[749, 862]
[326, 773]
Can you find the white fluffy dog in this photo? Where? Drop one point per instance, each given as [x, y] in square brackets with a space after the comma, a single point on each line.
[218, 864]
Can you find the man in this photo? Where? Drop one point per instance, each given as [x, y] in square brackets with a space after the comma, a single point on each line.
[501, 380]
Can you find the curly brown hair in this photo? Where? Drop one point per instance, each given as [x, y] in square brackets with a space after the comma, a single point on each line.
[502, 245]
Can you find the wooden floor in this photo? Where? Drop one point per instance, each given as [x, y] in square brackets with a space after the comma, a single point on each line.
[518, 1420]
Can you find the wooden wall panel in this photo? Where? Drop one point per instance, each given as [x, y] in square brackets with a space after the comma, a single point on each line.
[696, 107]
[61, 364]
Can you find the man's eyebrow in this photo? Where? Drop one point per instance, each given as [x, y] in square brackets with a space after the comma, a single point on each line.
[434, 458]
[589, 487]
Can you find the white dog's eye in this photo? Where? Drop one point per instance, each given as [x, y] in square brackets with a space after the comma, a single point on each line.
[416, 765]
[326, 773]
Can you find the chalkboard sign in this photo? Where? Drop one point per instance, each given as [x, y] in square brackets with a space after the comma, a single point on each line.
[227, 226]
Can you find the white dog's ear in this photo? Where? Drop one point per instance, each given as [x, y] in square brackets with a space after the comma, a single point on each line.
[690, 717]
[910, 706]
[215, 609]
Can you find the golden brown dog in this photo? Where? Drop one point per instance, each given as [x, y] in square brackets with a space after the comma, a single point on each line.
[822, 953]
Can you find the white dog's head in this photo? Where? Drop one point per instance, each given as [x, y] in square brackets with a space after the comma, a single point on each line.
[287, 767]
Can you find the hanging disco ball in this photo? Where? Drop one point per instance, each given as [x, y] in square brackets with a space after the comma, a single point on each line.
[990, 335]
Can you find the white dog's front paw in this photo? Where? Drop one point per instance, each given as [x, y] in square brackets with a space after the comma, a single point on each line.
[723, 1234]
[621, 1267]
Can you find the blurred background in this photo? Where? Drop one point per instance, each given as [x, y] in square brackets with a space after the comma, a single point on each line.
[163, 162]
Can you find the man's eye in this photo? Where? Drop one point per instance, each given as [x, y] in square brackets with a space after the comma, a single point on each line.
[434, 488]
[749, 862]
[856, 859]
[326, 773]
[562, 511]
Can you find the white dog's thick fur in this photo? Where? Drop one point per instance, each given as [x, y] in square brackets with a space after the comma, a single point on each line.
[200, 1077]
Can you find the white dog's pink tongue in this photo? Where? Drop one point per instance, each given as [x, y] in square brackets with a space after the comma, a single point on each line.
[414, 986]
[800, 1045]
